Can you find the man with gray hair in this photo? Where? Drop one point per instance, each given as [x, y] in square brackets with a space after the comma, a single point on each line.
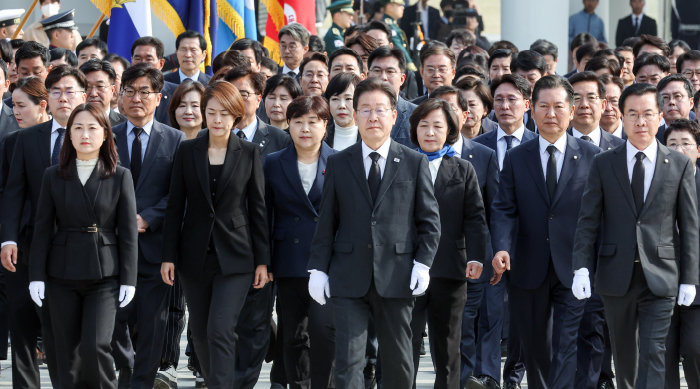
[294, 43]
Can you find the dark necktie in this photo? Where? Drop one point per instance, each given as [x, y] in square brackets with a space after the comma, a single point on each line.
[136, 154]
[291, 74]
[638, 182]
[587, 138]
[509, 141]
[56, 152]
[241, 135]
[375, 175]
[636, 25]
[551, 172]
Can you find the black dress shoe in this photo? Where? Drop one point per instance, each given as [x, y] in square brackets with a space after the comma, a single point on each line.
[512, 385]
[607, 384]
[482, 382]
[124, 381]
[370, 378]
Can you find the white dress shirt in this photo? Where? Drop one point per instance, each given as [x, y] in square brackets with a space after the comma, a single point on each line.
[595, 135]
[383, 151]
[248, 130]
[649, 163]
[434, 166]
[145, 136]
[307, 172]
[501, 144]
[560, 144]
[183, 76]
[424, 19]
[618, 130]
[457, 146]
[286, 70]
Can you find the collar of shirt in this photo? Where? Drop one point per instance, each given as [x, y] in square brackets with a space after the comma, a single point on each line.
[286, 70]
[518, 134]
[649, 152]
[434, 166]
[55, 126]
[637, 17]
[383, 150]
[147, 128]
[249, 130]
[595, 135]
[560, 144]
[457, 146]
[618, 130]
[183, 76]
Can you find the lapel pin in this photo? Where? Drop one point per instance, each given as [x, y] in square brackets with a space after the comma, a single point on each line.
[323, 173]
[396, 160]
[470, 156]
[575, 156]
[665, 160]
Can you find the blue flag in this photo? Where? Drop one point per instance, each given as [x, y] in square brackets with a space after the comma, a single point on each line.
[236, 21]
[129, 20]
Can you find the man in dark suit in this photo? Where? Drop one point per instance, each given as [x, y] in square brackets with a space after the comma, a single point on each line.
[374, 246]
[610, 120]
[148, 49]
[100, 76]
[7, 117]
[635, 24]
[532, 225]
[389, 65]
[36, 148]
[147, 147]
[191, 49]
[421, 13]
[676, 92]
[437, 68]
[644, 195]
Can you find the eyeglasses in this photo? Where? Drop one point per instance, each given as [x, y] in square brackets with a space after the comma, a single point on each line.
[377, 72]
[245, 94]
[190, 50]
[684, 146]
[143, 94]
[380, 112]
[290, 46]
[56, 94]
[500, 101]
[430, 70]
[689, 73]
[312, 75]
[633, 116]
[588, 98]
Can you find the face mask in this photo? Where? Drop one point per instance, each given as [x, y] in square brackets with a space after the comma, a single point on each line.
[50, 9]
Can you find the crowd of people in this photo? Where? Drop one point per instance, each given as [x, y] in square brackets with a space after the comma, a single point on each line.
[370, 192]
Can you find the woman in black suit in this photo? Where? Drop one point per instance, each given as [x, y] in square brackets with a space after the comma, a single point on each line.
[462, 242]
[91, 252]
[216, 230]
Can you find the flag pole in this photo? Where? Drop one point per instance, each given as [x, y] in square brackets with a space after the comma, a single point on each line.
[96, 26]
[24, 19]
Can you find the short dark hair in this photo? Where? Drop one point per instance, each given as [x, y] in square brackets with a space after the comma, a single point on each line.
[6, 51]
[679, 43]
[60, 71]
[692, 55]
[620, 49]
[313, 57]
[184, 88]
[460, 35]
[107, 158]
[371, 85]
[302, 105]
[378, 25]
[585, 51]
[191, 34]
[233, 58]
[96, 65]
[687, 85]
[500, 53]
[545, 47]
[527, 60]
[582, 38]
[425, 108]
[630, 42]
[31, 50]
[247, 43]
[601, 62]
[470, 70]
[640, 89]
[316, 44]
[652, 40]
[451, 90]
[519, 82]
[16, 43]
[114, 57]
[355, 28]
[586, 76]
[270, 64]
[65, 54]
[92, 42]
[645, 59]
[346, 51]
[503, 44]
[155, 77]
[149, 41]
[386, 52]
[690, 126]
[257, 80]
[480, 88]
[437, 48]
[608, 79]
[285, 81]
[340, 83]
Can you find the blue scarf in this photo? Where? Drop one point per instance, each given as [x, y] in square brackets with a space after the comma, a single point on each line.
[447, 150]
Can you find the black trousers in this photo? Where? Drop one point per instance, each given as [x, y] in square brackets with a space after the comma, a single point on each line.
[548, 320]
[590, 344]
[442, 306]
[253, 336]
[214, 302]
[27, 322]
[174, 324]
[683, 340]
[139, 330]
[392, 322]
[308, 335]
[514, 367]
[638, 323]
[84, 313]
[4, 315]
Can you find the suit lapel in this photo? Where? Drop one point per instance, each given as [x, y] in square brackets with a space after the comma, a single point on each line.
[44, 145]
[261, 133]
[568, 169]
[122, 145]
[660, 175]
[201, 164]
[390, 169]
[317, 188]
[233, 156]
[535, 168]
[448, 168]
[151, 150]
[620, 169]
[290, 168]
[357, 166]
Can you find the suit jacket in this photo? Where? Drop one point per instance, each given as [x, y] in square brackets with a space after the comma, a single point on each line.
[410, 17]
[154, 182]
[490, 139]
[162, 115]
[607, 141]
[69, 252]
[236, 222]
[667, 257]
[488, 125]
[412, 86]
[330, 133]
[625, 28]
[358, 240]
[402, 127]
[660, 134]
[696, 302]
[462, 219]
[420, 99]
[270, 139]
[534, 229]
[174, 77]
[115, 118]
[8, 123]
[292, 213]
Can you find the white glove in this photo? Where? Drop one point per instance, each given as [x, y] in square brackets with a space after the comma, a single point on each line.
[420, 278]
[686, 294]
[319, 288]
[581, 286]
[36, 291]
[126, 294]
